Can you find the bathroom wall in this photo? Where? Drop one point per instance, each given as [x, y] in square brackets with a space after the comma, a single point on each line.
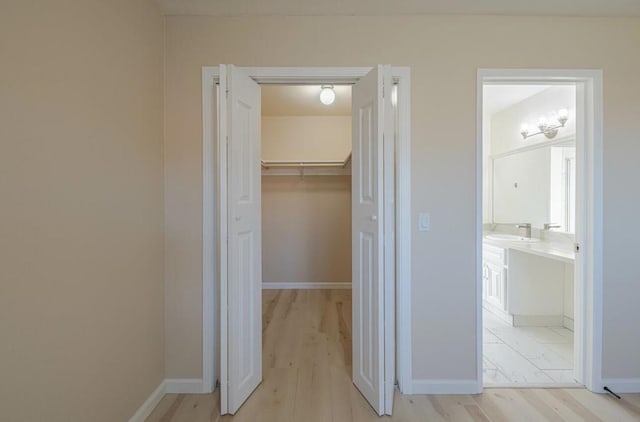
[521, 185]
[520, 188]
[487, 170]
[306, 220]
[505, 125]
[569, 296]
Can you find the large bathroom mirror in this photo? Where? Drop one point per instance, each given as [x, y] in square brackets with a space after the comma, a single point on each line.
[536, 186]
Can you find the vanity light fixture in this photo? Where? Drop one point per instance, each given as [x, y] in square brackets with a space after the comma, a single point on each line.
[327, 95]
[548, 127]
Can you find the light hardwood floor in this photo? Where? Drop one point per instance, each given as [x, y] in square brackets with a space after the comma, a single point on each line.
[307, 378]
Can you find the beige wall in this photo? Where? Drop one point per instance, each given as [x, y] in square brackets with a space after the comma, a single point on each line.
[306, 137]
[306, 222]
[306, 229]
[444, 53]
[81, 191]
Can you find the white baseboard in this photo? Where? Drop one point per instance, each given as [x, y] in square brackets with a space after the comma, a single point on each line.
[568, 323]
[538, 385]
[446, 387]
[622, 385]
[303, 285]
[500, 313]
[538, 320]
[184, 386]
[149, 404]
[168, 386]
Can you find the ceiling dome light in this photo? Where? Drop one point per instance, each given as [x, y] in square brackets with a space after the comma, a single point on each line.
[327, 95]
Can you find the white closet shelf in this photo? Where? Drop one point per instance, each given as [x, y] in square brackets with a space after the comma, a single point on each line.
[306, 167]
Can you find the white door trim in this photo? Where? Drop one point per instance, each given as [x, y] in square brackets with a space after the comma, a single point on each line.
[211, 221]
[210, 267]
[588, 301]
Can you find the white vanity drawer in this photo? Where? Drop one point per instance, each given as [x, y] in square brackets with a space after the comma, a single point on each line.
[494, 254]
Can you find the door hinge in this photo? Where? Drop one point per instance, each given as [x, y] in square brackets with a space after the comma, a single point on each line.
[227, 93]
[576, 247]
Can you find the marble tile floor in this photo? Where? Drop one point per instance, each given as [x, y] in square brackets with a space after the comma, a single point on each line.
[526, 355]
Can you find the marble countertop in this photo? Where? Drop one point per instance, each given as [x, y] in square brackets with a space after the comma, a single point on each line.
[544, 248]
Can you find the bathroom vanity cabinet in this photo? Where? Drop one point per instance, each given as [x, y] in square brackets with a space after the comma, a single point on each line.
[494, 278]
[527, 288]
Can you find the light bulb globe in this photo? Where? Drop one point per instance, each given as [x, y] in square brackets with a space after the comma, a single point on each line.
[327, 95]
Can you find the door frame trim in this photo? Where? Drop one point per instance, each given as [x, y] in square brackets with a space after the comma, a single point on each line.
[589, 295]
[303, 75]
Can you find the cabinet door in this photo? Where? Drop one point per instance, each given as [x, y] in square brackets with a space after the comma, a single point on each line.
[502, 279]
[496, 292]
[485, 281]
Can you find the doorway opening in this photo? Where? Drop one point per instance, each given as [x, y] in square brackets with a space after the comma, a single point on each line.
[235, 195]
[528, 257]
[306, 249]
[539, 244]
[306, 188]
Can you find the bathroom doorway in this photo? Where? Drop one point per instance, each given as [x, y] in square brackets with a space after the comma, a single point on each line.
[535, 230]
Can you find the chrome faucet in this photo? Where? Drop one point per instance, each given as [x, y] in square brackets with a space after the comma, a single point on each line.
[549, 226]
[526, 227]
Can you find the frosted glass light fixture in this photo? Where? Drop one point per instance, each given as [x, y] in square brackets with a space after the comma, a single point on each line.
[327, 95]
[542, 122]
[546, 126]
[563, 116]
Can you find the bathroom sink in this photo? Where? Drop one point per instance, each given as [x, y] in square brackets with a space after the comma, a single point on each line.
[511, 238]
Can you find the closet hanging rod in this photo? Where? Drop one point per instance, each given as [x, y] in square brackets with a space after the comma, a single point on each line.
[306, 163]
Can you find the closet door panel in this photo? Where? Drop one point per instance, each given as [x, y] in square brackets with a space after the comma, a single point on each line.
[244, 244]
[369, 126]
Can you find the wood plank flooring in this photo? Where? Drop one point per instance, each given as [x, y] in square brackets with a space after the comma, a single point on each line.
[307, 378]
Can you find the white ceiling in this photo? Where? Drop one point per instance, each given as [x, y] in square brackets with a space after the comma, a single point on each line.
[498, 97]
[303, 100]
[401, 7]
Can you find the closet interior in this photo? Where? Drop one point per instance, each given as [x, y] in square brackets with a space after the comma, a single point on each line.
[306, 187]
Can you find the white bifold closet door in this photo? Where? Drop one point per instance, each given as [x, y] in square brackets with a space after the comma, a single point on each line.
[243, 368]
[372, 126]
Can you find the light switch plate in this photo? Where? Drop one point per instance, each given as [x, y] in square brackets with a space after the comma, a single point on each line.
[424, 221]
